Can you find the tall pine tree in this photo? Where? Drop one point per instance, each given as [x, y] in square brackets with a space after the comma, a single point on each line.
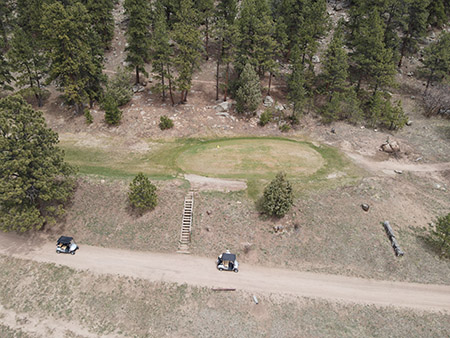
[437, 59]
[248, 95]
[138, 34]
[296, 84]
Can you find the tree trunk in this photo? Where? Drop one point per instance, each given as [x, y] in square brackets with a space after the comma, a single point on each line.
[431, 76]
[170, 86]
[162, 83]
[217, 77]
[270, 83]
[225, 94]
[358, 86]
[402, 50]
[206, 38]
[137, 75]
[185, 96]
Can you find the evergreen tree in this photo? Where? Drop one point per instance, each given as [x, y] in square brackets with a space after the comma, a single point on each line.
[382, 113]
[437, 59]
[296, 83]
[373, 60]
[225, 29]
[5, 74]
[415, 26]
[142, 195]
[6, 22]
[119, 87]
[101, 12]
[27, 50]
[69, 40]
[343, 106]
[248, 94]
[437, 15]
[440, 234]
[34, 179]
[161, 51]
[256, 43]
[335, 64]
[278, 196]
[138, 34]
[188, 46]
[205, 10]
[113, 114]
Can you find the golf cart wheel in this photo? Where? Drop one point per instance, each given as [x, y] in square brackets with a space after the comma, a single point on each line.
[236, 270]
[57, 252]
[73, 252]
[220, 269]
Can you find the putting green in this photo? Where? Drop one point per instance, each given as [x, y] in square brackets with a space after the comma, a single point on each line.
[250, 158]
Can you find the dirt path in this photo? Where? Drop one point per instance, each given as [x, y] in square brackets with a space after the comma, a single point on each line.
[201, 271]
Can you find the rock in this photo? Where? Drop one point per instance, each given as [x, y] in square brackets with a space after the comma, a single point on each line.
[138, 88]
[279, 106]
[268, 101]
[315, 59]
[365, 207]
[410, 74]
[398, 171]
[339, 7]
[390, 147]
[223, 114]
[223, 107]
[278, 228]
[413, 97]
[409, 123]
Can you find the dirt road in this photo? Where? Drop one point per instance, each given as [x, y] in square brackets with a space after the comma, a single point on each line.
[201, 271]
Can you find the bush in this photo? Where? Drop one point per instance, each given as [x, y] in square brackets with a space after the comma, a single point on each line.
[440, 235]
[142, 195]
[165, 122]
[278, 197]
[285, 127]
[248, 94]
[119, 87]
[384, 114]
[265, 117]
[113, 114]
[343, 106]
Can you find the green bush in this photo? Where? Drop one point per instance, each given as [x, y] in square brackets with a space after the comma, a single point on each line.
[165, 122]
[248, 94]
[382, 113]
[343, 106]
[113, 114]
[265, 117]
[285, 127]
[142, 195]
[278, 196]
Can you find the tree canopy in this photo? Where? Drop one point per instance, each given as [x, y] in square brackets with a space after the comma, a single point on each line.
[35, 182]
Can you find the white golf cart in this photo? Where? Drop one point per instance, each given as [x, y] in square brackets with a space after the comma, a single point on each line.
[66, 245]
[227, 262]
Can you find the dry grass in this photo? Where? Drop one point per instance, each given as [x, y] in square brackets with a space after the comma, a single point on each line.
[124, 306]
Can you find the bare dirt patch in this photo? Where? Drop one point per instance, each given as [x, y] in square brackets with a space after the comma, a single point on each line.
[201, 183]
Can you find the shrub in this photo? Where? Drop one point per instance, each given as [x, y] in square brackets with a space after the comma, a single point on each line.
[113, 114]
[142, 194]
[285, 127]
[278, 197]
[165, 122]
[265, 117]
[343, 106]
[384, 114]
[440, 234]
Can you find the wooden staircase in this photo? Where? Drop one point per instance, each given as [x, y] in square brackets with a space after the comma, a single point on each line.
[186, 224]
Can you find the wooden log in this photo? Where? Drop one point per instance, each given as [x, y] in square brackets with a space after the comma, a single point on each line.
[387, 227]
[223, 289]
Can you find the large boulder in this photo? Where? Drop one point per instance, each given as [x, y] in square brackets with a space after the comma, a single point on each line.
[390, 147]
[223, 107]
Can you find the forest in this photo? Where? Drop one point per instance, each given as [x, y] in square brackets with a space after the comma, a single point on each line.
[47, 42]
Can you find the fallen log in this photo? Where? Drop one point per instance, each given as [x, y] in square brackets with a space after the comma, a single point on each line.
[223, 289]
[390, 233]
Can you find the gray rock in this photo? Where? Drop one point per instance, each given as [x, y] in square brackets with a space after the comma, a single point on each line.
[365, 207]
[223, 107]
[138, 88]
[279, 107]
[409, 123]
[223, 114]
[315, 59]
[268, 101]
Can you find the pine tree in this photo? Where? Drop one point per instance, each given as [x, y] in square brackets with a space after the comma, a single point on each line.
[437, 59]
[138, 34]
[69, 40]
[34, 179]
[278, 196]
[142, 195]
[256, 43]
[296, 83]
[6, 22]
[437, 16]
[161, 51]
[335, 64]
[188, 46]
[440, 234]
[205, 10]
[373, 60]
[101, 12]
[5, 74]
[27, 51]
[415, 26]
[248, 95]
[113, 114]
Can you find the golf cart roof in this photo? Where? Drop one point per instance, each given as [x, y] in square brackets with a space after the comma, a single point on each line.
[64, 240]
[228, 257]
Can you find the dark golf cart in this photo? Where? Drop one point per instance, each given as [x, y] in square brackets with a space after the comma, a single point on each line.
[227, 261]
[66, 245]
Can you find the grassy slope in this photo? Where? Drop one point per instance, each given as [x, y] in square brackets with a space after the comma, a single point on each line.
[133, 307]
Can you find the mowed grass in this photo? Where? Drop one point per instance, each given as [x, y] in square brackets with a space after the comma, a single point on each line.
[256, 160]
[128, 307]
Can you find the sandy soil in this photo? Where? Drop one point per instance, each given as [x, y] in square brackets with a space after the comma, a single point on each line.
[201, 271]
